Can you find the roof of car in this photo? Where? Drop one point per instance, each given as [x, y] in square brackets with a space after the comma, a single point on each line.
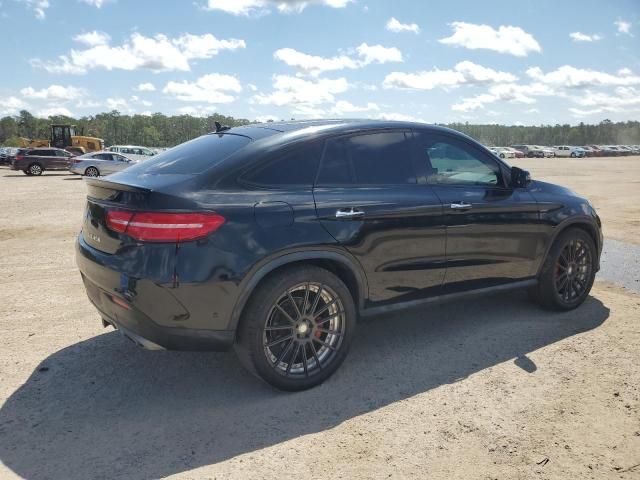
[261, 130]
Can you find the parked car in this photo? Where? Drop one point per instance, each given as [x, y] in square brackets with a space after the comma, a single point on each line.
[530, 151]
[34, 161]
[568, 151]
[133, 152]
[516, 153]
[274, 239]
[502, 152]
[548, 152]
[7, 154]
[99, 163]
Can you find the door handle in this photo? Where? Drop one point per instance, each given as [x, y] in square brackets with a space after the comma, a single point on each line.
[347, 213]
[460, 206]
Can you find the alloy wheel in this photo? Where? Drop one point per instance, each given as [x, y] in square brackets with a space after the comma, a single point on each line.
[304, 330]
[573, 270]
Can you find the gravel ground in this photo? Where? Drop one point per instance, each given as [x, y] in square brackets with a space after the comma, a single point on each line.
[491, 387]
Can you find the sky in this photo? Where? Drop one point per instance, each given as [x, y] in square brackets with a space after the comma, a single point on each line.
[492, 61]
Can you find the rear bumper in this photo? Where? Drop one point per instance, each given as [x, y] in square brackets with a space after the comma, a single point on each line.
[128, 310]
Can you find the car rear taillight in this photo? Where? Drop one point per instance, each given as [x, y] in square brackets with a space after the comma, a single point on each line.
[164, 227]
[19, 157]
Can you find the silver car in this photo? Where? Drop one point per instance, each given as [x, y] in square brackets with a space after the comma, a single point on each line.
[95, 164]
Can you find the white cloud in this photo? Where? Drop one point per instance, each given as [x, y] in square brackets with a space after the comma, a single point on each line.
[211, 88]
[623, 26]
[583, 37]
[11, 106]
[52, 111]
[315, 65]
[205, 46]
[507, 92]
[252, 87]
[312, 64]
[197, 110]
[572, 77]
[623, 99]
[53, 93]
[118, 104]
[303, 93]
[95, 3]
[465, 72]
[158, 54]
[507, 39]
[378, 54]
[266, 118]
[394, 25]
[39, 7]
[93, 38]
[342, 106]
[146, 87]
[400, 117]
[261, 7]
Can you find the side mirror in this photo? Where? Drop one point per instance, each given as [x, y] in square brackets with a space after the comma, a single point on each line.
[520, 178]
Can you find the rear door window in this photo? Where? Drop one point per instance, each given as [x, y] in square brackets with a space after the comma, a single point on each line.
[382, 158]
[297, 167]
[194, 156]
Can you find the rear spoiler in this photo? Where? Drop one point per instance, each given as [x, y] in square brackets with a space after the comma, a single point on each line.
[123, 187]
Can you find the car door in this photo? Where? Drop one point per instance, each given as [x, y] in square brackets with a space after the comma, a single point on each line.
[493, 231]
[105, 163]
[119, 162]
[61, 159]
[368, 198]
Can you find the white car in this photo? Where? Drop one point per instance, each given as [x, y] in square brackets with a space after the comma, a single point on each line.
[96, 164]
[133, 152]
[505, 152]
[568, 151]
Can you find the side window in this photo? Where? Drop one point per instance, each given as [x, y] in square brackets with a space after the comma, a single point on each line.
[452, 162]
[336, 167]
[104, 156]
[62, 153]
[381, 159]
[296, 167]
[371, 159]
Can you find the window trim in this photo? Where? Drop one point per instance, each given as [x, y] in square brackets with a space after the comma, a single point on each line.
[409, 138]
[491, 159]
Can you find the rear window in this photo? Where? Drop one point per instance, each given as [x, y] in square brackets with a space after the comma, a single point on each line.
[194, 156]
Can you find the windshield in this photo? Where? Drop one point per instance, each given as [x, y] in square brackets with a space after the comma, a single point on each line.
[194, 156]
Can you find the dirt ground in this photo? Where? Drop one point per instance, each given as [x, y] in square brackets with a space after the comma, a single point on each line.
[489, 388]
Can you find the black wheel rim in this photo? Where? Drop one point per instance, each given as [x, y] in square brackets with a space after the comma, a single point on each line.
[304, 330]
[573, 271]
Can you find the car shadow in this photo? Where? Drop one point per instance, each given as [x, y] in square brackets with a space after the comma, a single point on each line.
[103, 408]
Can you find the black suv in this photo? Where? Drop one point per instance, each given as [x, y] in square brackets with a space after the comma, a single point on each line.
[274, 238]
[34, 161]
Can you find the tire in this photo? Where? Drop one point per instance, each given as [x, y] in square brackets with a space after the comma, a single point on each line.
[26, 172]
[502, 155]
[573, 155]
[530, 155]
[92, 172]
[290, 351]
[35, 169]
[568, 271]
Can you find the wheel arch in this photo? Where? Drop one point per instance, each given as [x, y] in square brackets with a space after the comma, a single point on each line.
[339, 263]
[584, 223]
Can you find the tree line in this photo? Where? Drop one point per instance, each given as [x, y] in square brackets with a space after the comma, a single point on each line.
[159, 130]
